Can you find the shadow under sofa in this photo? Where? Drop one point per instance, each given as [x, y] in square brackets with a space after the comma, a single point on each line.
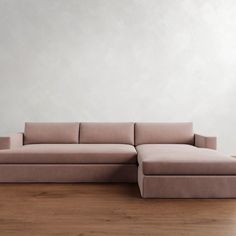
[166, 159]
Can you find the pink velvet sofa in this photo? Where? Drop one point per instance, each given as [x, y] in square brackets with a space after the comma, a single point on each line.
[166, 159]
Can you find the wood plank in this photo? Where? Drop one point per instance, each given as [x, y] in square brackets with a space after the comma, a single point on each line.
[108, 209]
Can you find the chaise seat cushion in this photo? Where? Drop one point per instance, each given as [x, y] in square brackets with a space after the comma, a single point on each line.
[180, 159]
[70, 154]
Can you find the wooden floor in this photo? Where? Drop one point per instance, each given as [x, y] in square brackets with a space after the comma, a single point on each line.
[108, 209]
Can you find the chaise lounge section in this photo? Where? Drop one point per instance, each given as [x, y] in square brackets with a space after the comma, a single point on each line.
[175, 163]
[166, 159]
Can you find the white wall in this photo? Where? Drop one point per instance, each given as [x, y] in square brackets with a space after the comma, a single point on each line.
[119, 60]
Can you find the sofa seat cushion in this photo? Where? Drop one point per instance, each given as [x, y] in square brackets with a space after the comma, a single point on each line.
[70, 153]
[177, 159]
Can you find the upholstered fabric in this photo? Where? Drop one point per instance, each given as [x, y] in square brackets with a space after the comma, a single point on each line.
[38, 133]
[70, 153]
[119, 133]
[187, 186]
[68, 173]
[169, 166]
[202, 141]
[177, 159]
[4, 143]
[164, 133]
[11, 142]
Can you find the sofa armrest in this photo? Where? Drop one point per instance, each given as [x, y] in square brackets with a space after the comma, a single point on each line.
[202, 141]
[11, 142]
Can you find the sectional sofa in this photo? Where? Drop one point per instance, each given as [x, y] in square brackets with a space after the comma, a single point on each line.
[166, 159]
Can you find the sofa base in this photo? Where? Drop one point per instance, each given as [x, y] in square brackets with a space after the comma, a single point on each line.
[13, 173]
[183, 186]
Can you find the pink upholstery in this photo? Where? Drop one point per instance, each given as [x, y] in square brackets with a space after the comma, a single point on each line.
[187, 186]
[70, 153]
[168, 165]
[164, 133]
[205, 142]
[119, 133]
[58, 173]
[5, 143]
[11, 142]
[177, 159]
[36, 133]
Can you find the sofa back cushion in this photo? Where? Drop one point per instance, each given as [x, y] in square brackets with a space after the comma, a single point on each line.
[120, 133]
[164, 133]
[36, 133]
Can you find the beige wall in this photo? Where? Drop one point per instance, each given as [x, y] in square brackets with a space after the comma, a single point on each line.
[119, 60]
